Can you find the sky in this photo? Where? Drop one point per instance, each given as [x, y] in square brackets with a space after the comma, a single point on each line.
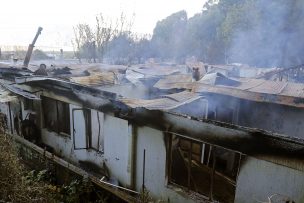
[20, 19]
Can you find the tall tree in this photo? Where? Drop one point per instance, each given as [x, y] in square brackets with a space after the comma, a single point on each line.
[168, 36]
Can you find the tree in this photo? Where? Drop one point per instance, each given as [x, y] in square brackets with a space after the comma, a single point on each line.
[82, 43]
[263, 34]
[142, 48]
[168, 36]
[253, 32]
[91, 42]
[105, 31]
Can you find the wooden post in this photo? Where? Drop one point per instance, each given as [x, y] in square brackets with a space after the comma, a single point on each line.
[212, 174]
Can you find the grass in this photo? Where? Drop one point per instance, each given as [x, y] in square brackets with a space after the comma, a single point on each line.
[18, 183]
[14, 186]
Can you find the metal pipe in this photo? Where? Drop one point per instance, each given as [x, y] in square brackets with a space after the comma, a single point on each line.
[117, 186]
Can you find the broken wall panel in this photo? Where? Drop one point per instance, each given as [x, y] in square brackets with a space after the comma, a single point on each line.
[275, 118]
[63, 146]
[156, 180]
[116, 148]
[203, 168]
[97, 132]
[80, 128]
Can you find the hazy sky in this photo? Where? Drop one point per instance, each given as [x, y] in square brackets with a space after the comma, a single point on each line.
[19, 19]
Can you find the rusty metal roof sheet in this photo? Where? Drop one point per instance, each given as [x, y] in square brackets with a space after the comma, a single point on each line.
[182, 96]
[167, 102]
[280, 92]
[6, 96]
[95, 79]
[174, 81]
[272, 87]
[155, 71]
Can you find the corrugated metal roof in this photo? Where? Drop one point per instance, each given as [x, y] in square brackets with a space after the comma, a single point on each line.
[174, 81]
[18, 91]
[218, 79]
[294, 89]
[95, 79]
[5, 96]
[272, 87]
[286, 93]
[182, 96]
[155, 71]
[150, 104]
[167, 102]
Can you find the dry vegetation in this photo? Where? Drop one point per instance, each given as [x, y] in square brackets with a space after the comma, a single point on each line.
[19, 184]
[14, 184]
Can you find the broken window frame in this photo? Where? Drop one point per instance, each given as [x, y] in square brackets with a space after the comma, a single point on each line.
[28, 104]
[100, 147]
[88, 136]
[210, 164]
[62, 118]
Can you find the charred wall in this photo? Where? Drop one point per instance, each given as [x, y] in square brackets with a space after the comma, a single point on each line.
[272, 117]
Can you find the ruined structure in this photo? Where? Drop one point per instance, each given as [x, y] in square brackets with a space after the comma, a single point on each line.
[215, 139]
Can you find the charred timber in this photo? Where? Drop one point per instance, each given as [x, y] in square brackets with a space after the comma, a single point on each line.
[237, 138]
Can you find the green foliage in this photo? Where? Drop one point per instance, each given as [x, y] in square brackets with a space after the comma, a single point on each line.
[119, 49]
[39, 176]
[20, 185]
[144, 197]
[15, 185]
[255, 32]
[169, 34]
[76, 191]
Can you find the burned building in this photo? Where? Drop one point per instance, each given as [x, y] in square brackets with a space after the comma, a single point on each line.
[216, 139]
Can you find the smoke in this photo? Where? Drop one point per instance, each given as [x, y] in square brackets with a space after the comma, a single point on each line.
[272, 35]
[169, 35]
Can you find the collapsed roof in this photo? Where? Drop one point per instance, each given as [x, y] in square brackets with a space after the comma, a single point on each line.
[155, 112]
[286, 93]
